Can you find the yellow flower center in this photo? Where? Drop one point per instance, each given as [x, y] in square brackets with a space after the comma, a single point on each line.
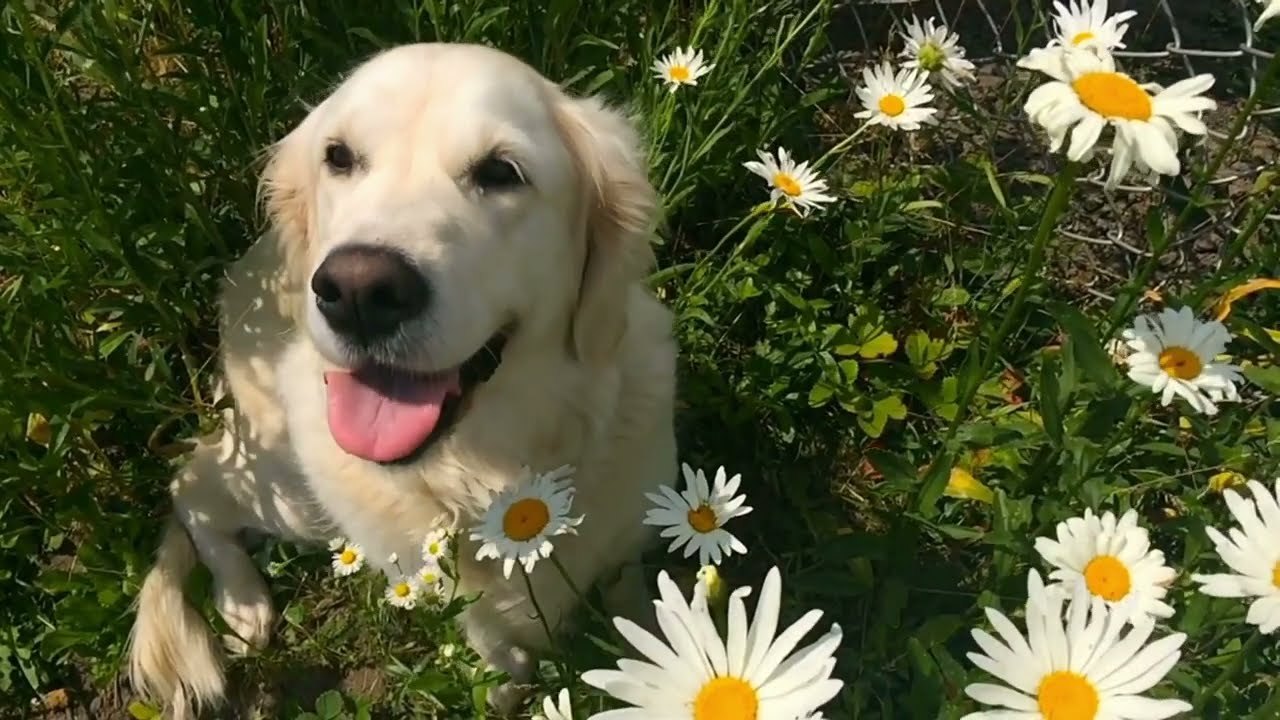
[525, 519]
[703, 518]
[786, 184]
[726, 698]
[1275, 575]
[1107, 577]
[430, 578]
[892, 105]
[1113, 95]
[347, 557]
[1083, 37]
[433, 548]
[679, 73]
[402, 590]
[1181, 363]
[931, 57]
[1064, 695]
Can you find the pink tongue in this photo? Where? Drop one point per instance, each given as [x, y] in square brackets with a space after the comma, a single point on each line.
[382, 415]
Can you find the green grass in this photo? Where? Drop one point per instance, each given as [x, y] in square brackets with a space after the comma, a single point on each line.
[843, 363]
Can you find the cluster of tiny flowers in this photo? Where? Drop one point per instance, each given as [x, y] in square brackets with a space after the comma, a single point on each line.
[404, 590]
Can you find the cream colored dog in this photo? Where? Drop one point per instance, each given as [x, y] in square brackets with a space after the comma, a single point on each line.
[452, 289]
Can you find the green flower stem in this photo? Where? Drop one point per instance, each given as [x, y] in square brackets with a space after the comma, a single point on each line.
[755, 213]
[565, 668]
[691, 268]
[1229, 673]
[1054, 207]
[533, 599]
[840, 147]
[1133, 290]
[1236, 247]
[608, 622]
[745, 93]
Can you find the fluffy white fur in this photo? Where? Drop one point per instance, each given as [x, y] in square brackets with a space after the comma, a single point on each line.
[587, 379]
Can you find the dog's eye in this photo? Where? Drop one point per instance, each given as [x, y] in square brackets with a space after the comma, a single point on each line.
[339, 157]
[495, 173]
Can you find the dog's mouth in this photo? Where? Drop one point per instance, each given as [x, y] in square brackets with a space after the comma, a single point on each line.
[389, 415]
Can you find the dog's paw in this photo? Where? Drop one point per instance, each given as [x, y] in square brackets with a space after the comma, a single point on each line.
[250, 621]
[517, 663]
[508, 696]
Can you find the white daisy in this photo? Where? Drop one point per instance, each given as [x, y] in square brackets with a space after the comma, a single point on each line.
[1253, 551]
[681, 67]
[1271, 10]
[562, 709]
[695, 518]
[755, 673]
[1113, 560]
[348, 558]
[1087, 95]
[898, 100]
[1174, 354]
[403, 593]
[796, 186]
[1080, 26]
[435, 547]
[430, 578]
[1083, 670]
[521, 520]
[936, 50]
[1084, 25]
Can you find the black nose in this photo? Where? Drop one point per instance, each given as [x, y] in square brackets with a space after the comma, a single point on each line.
[367, 292]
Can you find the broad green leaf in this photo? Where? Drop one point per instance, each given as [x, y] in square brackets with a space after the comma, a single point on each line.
[329, 705]
[923, 350]
[952, 297]
[892, 407]
[1089, 353]
[1267, 378]
[882, 411]
[849, 369]
[1050, 413]
[880, 345]
[820, 393]
[894, 467]
[872, 423]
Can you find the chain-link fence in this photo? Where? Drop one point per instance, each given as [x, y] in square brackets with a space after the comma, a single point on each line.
[1167, 39]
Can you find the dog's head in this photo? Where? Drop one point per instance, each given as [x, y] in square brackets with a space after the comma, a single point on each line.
[441, 198]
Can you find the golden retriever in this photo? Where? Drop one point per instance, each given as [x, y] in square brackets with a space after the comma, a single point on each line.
[452, 289]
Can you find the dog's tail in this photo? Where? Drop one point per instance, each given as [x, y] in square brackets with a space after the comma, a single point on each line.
[174, 658]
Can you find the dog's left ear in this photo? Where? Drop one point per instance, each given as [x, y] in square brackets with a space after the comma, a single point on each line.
[621, 211]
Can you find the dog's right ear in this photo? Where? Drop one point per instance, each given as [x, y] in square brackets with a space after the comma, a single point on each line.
[621, 210]
[283, 187]
[284, 193]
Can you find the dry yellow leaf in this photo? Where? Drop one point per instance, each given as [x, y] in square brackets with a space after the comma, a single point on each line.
[1240, 291]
